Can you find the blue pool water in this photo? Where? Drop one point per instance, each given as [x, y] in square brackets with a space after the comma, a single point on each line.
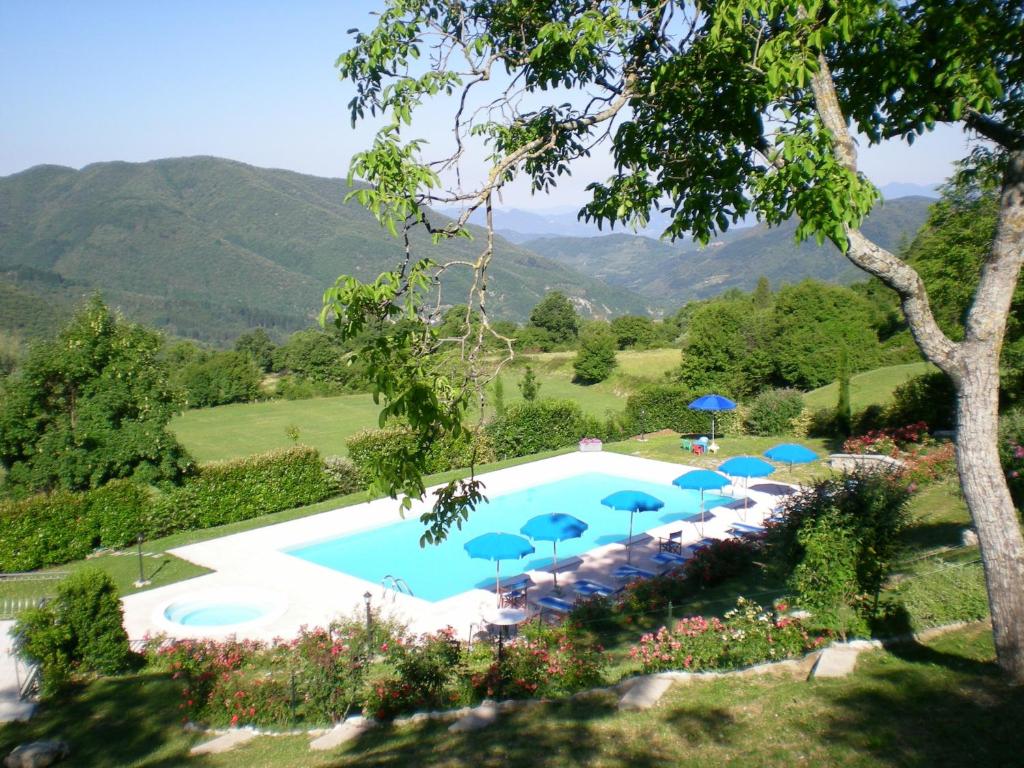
[437, 572]
[213, 615]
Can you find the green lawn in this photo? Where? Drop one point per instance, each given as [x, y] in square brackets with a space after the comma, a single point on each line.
[873, 387]
[934, 704]
[242, 429]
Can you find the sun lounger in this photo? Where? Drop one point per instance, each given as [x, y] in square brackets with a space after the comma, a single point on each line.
[588, 588]
[743, 530]
[627, 572]
[668, 559]
[552, 603]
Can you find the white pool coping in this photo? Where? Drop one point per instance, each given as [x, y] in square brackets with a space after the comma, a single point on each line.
[314, 595]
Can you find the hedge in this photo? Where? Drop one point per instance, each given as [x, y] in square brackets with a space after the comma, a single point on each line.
[665, 406]
[229, 491]
[55, 528]
[368, 449]
[50, 529]
[544, 425]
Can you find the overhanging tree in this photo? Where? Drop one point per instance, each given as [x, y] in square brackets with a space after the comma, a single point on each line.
[711, 111]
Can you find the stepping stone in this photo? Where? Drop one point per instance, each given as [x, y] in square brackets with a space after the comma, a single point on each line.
[341, 733]
[645, 693]
[478, 718]
[835, 662]
[224, 742]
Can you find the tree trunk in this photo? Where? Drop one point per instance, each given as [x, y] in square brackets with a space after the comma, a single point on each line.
[995, 519]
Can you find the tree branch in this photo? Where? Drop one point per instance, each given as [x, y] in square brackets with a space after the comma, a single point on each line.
[871, 257]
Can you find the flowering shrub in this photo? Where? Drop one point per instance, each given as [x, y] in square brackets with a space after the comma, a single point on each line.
[746, 635]
[928, 464]
[888, 442]
[1011, 452]
[544, 661]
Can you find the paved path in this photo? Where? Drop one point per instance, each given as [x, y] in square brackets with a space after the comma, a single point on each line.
[12, 672]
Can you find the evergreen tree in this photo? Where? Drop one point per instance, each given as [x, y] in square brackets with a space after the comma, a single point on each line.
[844, 414]
[529, 385]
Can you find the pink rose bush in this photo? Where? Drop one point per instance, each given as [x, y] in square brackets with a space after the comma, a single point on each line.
[746, 635]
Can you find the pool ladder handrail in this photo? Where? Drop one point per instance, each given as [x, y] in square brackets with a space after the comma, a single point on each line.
[397, 585]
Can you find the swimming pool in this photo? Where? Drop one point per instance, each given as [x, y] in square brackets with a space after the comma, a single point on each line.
[438, 572]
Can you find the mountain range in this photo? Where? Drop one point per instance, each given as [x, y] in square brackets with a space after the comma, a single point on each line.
[673, 273]
[207, 248]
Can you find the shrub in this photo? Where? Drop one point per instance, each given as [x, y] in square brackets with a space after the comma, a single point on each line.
[344, 475]
[746, 635]
[773, 412]
[825, 580]
[541, 425]
[528, 385]
[664, 406]
[80, 630]
[298, 388]
[871, 506]
[930, 398]
[229, 491]
[88, 604]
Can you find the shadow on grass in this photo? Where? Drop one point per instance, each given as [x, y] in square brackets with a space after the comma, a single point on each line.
[556, 734]
[914, 714]
[924, 536]
[130, 720]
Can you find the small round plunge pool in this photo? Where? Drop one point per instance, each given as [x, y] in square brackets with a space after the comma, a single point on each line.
[221, 611]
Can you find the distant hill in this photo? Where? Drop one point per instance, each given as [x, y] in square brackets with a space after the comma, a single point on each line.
[673, 273]
[207, 248]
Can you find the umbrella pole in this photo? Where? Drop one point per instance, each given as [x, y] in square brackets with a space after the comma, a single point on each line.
[497, 580]
[712, 428]
[554, 565]
[746, 498]
[629, 541]
[701, 513]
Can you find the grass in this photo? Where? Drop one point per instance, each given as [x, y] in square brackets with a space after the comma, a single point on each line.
[242, 429]
[873, 387]
[936, 704]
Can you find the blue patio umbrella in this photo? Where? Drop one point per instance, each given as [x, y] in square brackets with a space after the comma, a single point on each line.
[634, 501]
[791, 453]
[701, 480]
[554, 527]
[748, 467]
[498, 547]
[712, 403]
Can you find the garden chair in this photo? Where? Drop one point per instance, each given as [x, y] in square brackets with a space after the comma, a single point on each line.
[673, 543]
[686, 444]
[698, 449]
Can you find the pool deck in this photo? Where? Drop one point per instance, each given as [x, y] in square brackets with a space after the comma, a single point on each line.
[252, 561]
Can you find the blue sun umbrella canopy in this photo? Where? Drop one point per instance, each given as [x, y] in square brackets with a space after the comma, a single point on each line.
[633, 502]
[712, 403]
[701, 480]
[791, 453]
[498, 547]
[554, 527]
[746, 466]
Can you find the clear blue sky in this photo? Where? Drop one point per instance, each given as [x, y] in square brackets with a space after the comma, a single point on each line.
[83, 81]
